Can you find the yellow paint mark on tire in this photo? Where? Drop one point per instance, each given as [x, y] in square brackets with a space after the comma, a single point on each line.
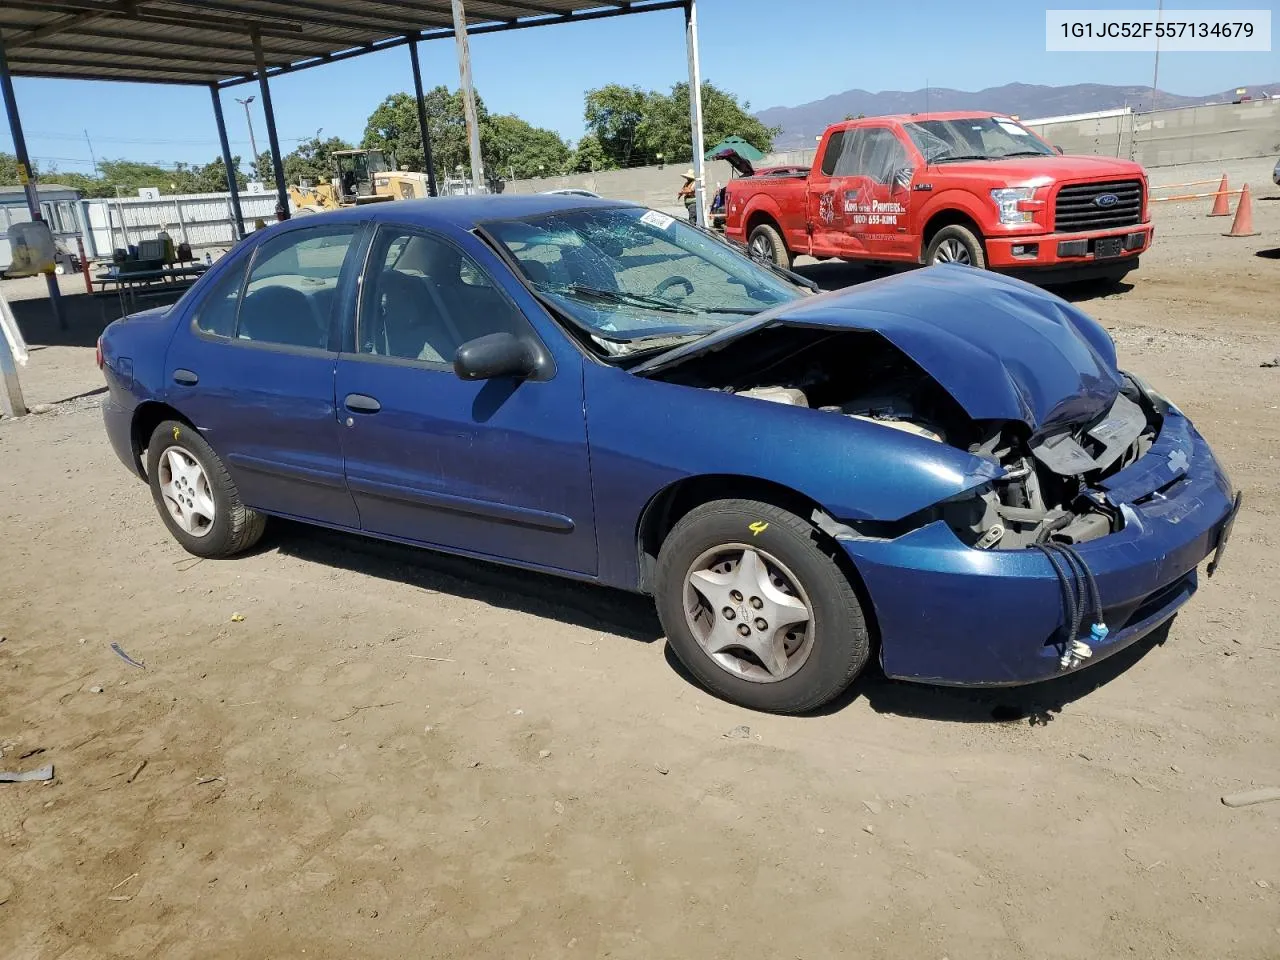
[758, 528]
[176, 433]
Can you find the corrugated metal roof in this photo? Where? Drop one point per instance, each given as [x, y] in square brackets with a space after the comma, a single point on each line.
[207, 41]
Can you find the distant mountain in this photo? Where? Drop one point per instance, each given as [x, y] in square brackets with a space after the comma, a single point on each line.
[802, 123]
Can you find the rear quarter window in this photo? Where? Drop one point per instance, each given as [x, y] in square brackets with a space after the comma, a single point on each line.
[216, 312]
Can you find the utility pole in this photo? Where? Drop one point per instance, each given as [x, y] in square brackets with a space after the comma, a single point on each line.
[468, 94]
[1155, 77]
[92, 158]
[695, 111]
[253, 144]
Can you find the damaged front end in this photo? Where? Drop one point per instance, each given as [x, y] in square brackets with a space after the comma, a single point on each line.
[1047, 488]
[1050, 491]
[1087, 504]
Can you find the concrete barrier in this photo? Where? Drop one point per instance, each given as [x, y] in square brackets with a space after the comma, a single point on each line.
[1220, 131]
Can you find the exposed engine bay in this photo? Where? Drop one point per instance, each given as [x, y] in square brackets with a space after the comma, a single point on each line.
[1048, 492]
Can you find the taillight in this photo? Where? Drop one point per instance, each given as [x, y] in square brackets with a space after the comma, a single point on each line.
[98, 354]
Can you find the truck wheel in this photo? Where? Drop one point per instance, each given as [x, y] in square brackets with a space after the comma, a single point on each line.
[956, 244]
[756, 607]
[767, 245]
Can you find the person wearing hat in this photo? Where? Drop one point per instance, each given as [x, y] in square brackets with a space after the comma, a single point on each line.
[689, 194]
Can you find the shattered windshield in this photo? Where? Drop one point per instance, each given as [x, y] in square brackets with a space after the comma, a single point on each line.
[633, 277]
[975, 138]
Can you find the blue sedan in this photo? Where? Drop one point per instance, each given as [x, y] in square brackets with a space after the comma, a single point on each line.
[945, 468]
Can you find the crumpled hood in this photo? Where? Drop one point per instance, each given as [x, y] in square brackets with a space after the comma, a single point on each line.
[1004, 349]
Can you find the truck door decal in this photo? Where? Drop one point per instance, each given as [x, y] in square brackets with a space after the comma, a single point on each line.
[827, 207]
[868, 214]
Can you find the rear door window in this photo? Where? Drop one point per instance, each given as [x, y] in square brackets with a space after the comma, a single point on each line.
[291, 290]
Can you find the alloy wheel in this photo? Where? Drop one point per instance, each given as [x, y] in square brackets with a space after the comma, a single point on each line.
[749, 613]
[186, 493]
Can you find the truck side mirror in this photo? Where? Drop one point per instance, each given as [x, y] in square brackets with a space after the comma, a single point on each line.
[902, 177]
[1057, 149]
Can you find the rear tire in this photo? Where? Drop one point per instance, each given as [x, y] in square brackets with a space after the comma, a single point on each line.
[789, 666]
[766, 244]
[956, 244]
[197, 499]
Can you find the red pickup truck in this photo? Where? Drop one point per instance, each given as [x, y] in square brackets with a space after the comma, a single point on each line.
[973, 188]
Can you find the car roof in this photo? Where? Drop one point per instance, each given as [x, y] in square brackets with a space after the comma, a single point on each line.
[462, 213]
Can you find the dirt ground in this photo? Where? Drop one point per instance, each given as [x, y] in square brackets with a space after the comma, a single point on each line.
[342, 749]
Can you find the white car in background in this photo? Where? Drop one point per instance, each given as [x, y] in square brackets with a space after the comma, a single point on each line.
[573, 192]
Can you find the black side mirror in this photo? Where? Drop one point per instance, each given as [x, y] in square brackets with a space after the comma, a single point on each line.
[902, 178]
[495, 355]
[1057, 149]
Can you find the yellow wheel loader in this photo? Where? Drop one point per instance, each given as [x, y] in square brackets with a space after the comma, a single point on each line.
[360, 176]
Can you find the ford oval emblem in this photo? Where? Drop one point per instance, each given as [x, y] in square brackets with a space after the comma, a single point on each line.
[1106, 200]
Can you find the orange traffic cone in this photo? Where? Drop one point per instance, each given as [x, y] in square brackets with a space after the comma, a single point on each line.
[1221, 200]
[1242, 226]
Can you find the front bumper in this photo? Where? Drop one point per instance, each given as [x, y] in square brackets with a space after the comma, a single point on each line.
[1067, 251]
[955, 615]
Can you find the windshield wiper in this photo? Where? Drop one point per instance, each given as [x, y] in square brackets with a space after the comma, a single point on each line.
[740, 311]
[1024, 153]
[625, 299]
[962, 156]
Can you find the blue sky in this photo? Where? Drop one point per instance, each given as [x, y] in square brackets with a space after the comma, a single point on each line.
[768, 52]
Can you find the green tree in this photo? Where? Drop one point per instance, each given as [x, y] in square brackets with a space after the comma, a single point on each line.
[9, 170]
[126, 177]
[393, 128]
[130, 175]
[506, 142]
[212, 177]
[89, 186]
[312, 160]
[634, 126]
[263, 170]
[589, 156]
[615, 116]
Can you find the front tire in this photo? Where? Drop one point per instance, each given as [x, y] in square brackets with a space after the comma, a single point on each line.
[766, 244]
[757, 609]
[197, 499]
[956, 244]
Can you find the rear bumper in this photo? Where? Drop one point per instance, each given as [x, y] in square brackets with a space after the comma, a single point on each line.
[1068, 251]
[119, 424]
[954, 615]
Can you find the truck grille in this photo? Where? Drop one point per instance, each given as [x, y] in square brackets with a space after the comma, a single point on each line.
[1077, 209]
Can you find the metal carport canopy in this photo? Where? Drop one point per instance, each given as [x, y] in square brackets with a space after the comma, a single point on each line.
[203, 43]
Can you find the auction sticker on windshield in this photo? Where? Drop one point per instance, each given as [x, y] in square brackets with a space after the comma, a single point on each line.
[1011, 128]
[655, 219]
